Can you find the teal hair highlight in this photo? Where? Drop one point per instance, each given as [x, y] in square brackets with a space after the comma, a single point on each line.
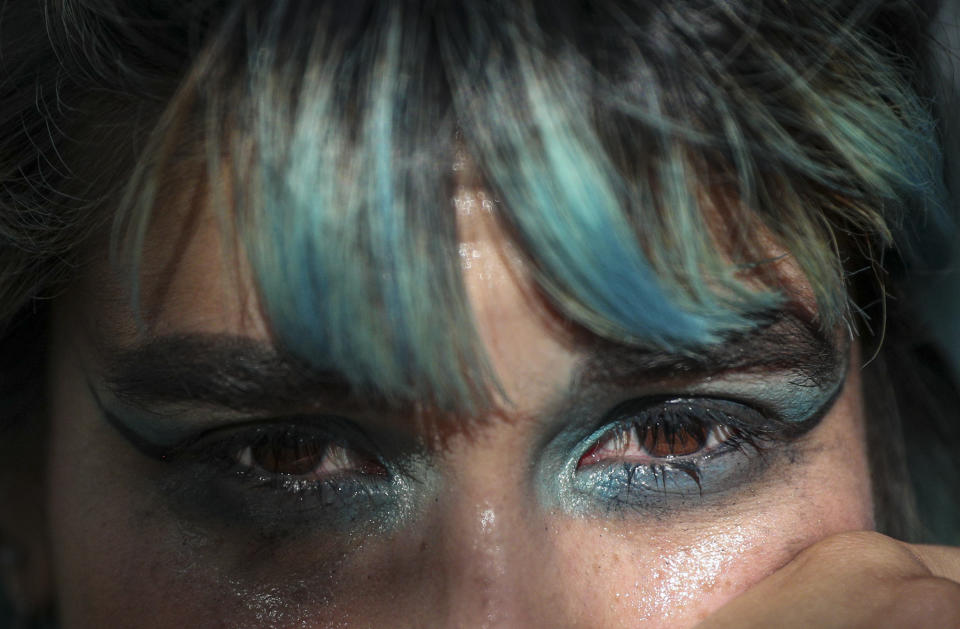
[342, 121]
[345, 258]
[590, 228]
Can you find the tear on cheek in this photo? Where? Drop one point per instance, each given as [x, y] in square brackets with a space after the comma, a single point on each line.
[681, 586]
[678, 586]
[699, 577]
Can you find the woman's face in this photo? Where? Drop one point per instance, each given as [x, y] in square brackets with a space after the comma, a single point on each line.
[196, 478]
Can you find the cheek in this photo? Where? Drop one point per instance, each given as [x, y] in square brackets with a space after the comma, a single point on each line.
[122, 558]
[675, 570]
[667, 577]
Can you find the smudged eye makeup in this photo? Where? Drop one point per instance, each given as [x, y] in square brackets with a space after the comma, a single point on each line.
[673, 431]
[292, 470]
[270, 472]
[316, 470]
[656, 450]
[652, 450]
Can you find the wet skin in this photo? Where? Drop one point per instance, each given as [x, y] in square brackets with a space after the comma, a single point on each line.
[551, 510]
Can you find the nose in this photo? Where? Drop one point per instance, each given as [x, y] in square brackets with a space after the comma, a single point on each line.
[494, 556]
[484, 567]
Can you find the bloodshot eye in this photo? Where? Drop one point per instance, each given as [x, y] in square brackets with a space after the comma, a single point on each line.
[285, 454]
[672, 432]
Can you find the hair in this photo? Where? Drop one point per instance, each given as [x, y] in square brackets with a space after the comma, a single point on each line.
[609, 134]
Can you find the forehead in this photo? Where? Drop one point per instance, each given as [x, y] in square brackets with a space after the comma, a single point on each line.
[196, 279]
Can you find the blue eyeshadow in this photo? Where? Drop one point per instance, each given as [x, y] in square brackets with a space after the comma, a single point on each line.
[778, 409]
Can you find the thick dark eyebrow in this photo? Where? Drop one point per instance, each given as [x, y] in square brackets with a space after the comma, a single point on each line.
[782, 341]
[245, 374]
[231, 371]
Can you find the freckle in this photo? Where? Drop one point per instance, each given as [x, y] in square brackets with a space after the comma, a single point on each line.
[423, 546]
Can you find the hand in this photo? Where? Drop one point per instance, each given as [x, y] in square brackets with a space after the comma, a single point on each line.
[860, 579]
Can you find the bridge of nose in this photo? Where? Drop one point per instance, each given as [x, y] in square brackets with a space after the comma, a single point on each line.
[491, 538]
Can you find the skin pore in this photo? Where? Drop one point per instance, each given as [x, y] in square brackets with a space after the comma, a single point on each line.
[512, 519]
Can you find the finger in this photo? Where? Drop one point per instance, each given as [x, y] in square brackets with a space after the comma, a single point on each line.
[942, 561]
[858, 579]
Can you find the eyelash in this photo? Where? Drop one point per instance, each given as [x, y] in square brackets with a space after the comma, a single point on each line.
[319, 457]
[225, 475]
[619, 459]
[256, 450]
[241, 470]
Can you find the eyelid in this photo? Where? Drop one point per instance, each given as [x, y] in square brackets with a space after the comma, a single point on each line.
[330, 429]
[163, 436]
[254, 427]
[784, 396]
[736, 414]
[640, 482]
[756, 428]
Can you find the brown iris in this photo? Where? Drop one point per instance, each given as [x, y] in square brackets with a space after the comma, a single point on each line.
[306, 458]
[288, 457]
[661, 440]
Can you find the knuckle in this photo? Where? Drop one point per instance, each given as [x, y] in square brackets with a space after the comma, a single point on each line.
[864, 552]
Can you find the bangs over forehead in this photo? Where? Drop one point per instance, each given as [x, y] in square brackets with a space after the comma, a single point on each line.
[608, 133]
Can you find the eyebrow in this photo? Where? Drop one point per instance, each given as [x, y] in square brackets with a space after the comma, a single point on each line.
[245, 374]
[231, 371]
[782, 340]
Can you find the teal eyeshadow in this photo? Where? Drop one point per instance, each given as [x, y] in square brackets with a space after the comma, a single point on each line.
[605, 487]
[644, 486]
[788, 396]
[350, 506]
[779, 395]
[788, 400]
[206, 491]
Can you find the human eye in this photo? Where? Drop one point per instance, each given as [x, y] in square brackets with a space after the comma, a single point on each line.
[652, 450]
[284, 472]
[289, 456]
